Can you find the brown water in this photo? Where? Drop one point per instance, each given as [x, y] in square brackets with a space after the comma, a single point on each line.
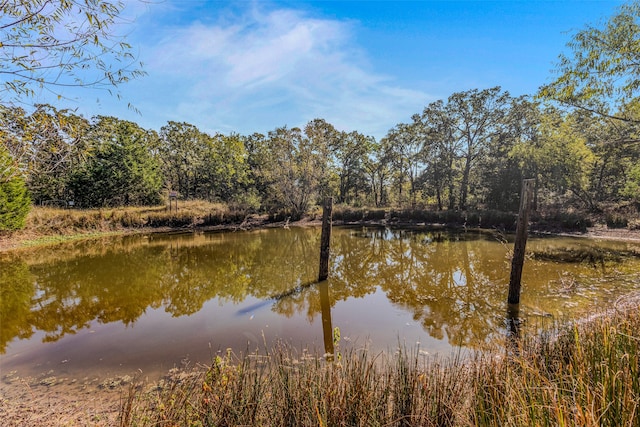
[149, 303]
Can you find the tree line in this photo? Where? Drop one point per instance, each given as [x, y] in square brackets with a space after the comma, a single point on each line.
[470, 151]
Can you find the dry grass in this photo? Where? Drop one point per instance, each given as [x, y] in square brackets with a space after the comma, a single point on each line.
[583, 374]
[67, 221]
[289, 389]
[52, 225]
[586, 374]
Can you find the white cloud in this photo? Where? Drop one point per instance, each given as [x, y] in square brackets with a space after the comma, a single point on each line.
[270, 68]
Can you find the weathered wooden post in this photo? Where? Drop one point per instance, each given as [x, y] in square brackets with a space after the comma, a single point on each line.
[325, 239]
[521, 241]
[513, 330]
[173, 197]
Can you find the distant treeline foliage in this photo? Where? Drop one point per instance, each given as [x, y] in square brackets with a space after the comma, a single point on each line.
[470, 151]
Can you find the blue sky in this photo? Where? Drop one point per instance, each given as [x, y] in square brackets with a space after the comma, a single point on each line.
[252, 66]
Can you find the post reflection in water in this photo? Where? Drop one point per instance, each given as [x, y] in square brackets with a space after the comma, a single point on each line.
[327, 328]
[135, 301]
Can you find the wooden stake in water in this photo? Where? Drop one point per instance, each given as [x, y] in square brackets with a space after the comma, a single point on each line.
[325, 239]
[521, 241]
[513, 330]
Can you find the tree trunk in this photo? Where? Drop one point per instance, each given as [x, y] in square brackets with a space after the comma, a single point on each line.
[464, 186]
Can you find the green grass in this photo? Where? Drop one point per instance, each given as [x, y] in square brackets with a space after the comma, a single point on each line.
[52, 240]
[585, 374]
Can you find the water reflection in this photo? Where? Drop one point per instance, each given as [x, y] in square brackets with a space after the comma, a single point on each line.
[327, 328]
[453, 286]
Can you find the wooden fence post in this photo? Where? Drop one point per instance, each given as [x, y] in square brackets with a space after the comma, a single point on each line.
[521, 241]
[325, 239]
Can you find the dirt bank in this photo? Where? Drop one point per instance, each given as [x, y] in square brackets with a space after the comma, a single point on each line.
[58, 402]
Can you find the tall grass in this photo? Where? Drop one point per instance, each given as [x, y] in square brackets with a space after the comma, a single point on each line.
[583, 374]
[288, 389]
[586, 375]
[45, 220]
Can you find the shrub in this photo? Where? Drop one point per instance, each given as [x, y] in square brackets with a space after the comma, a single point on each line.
[616, 221]
[565, 221]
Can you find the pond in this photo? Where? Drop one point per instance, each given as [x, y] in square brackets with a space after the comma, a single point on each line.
[149, 303]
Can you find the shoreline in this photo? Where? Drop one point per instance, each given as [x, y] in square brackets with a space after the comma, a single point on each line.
[27, 240]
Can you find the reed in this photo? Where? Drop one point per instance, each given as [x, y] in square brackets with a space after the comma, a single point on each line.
[580, 374]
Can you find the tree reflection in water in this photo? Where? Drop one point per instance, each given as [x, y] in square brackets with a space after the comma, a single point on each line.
[453, 285]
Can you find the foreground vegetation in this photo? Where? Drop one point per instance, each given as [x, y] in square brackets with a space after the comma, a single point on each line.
[584, 374]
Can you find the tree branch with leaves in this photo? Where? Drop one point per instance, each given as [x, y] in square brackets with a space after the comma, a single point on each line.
[601, 73]
[54, 44]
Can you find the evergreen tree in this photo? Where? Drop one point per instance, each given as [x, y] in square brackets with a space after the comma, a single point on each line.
[122, 171]
[14, 199]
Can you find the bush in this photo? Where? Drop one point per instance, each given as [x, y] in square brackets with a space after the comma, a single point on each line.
[616, 221]
[565, 221]
[347, 213]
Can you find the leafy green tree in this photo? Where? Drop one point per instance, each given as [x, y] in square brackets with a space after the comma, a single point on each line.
[183, 150]
[443, 150]
[57, 145]
[442, 173]
[14, 199]
[122, 171]
[351, 152]
[600, 73]
[631, 189]
[292, 167]
[256, 148]
[48, 144]
[224, 173]
[479, 117]
[406, 148]
[198, 165]
[616, 147]
[560, 159]
[51, 45]
[377, 172]
[327, 144]
[501, 170]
